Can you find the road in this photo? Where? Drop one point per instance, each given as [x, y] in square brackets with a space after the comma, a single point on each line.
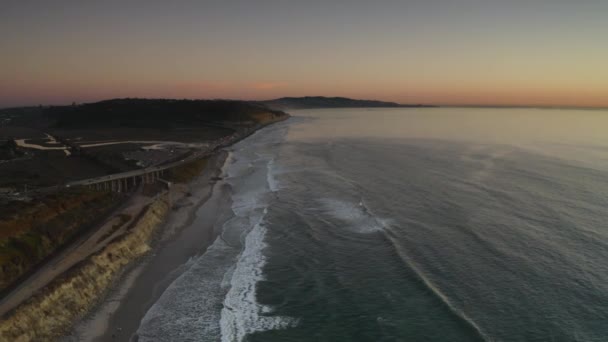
[140, 172]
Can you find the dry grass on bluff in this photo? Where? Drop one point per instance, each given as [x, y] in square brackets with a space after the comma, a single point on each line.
[48, 314]
[264, 117]
[187, 172]
[31, 231]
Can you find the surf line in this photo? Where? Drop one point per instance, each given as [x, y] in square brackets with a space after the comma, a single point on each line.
[438, 294]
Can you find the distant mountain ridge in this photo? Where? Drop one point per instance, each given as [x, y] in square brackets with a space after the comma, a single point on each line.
[309, 102]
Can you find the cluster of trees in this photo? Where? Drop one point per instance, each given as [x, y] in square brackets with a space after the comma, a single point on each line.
[8, 150]
[156, 113]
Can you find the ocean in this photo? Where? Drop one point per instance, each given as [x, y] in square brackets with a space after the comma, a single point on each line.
[419, 224]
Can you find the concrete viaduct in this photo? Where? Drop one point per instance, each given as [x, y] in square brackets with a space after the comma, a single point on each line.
[124, 181]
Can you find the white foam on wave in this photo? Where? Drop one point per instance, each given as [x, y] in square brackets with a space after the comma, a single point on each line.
[250, 191]
[357, 216]
[483, 158]
[271, 178]
[189, 307]
[242, 314]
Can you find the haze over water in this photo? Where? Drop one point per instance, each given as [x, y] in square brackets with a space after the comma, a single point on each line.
[556, 131]
[449, 224]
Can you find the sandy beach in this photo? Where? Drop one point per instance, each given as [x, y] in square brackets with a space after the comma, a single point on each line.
[198, 210]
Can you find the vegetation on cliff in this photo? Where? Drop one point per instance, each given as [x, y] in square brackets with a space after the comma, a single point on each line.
[31, 231]
[187, 172]
[48, 314]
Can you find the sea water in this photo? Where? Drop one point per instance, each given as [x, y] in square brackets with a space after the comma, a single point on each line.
[438, 224]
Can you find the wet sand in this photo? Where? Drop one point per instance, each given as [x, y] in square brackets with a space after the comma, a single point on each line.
[200, 208]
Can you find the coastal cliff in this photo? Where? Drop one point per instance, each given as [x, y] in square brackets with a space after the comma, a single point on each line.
[32, 231]
[65, 296]
[48, 314]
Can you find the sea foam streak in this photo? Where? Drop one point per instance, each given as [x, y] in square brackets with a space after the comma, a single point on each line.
[253, 180]
[191, 308]
[272, 181]
[358, 216]
[242, 314]
[187, 309]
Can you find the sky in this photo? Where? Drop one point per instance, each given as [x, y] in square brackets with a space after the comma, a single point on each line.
[445, 52]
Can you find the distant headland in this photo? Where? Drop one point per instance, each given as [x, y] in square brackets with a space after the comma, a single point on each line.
[310, 102]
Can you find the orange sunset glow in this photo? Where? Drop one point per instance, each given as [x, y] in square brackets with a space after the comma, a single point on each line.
[546, 53]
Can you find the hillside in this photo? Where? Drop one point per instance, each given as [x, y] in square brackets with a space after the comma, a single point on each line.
[136, 113]
[139, 113]
[310, 102]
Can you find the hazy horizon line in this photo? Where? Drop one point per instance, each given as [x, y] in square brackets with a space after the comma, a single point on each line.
[444, 105]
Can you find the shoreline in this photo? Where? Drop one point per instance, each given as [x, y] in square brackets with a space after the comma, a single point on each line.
[106, 295]
[178, 240]
[120, 310]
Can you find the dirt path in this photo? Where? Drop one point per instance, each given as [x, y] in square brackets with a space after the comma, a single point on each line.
[51, 141]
